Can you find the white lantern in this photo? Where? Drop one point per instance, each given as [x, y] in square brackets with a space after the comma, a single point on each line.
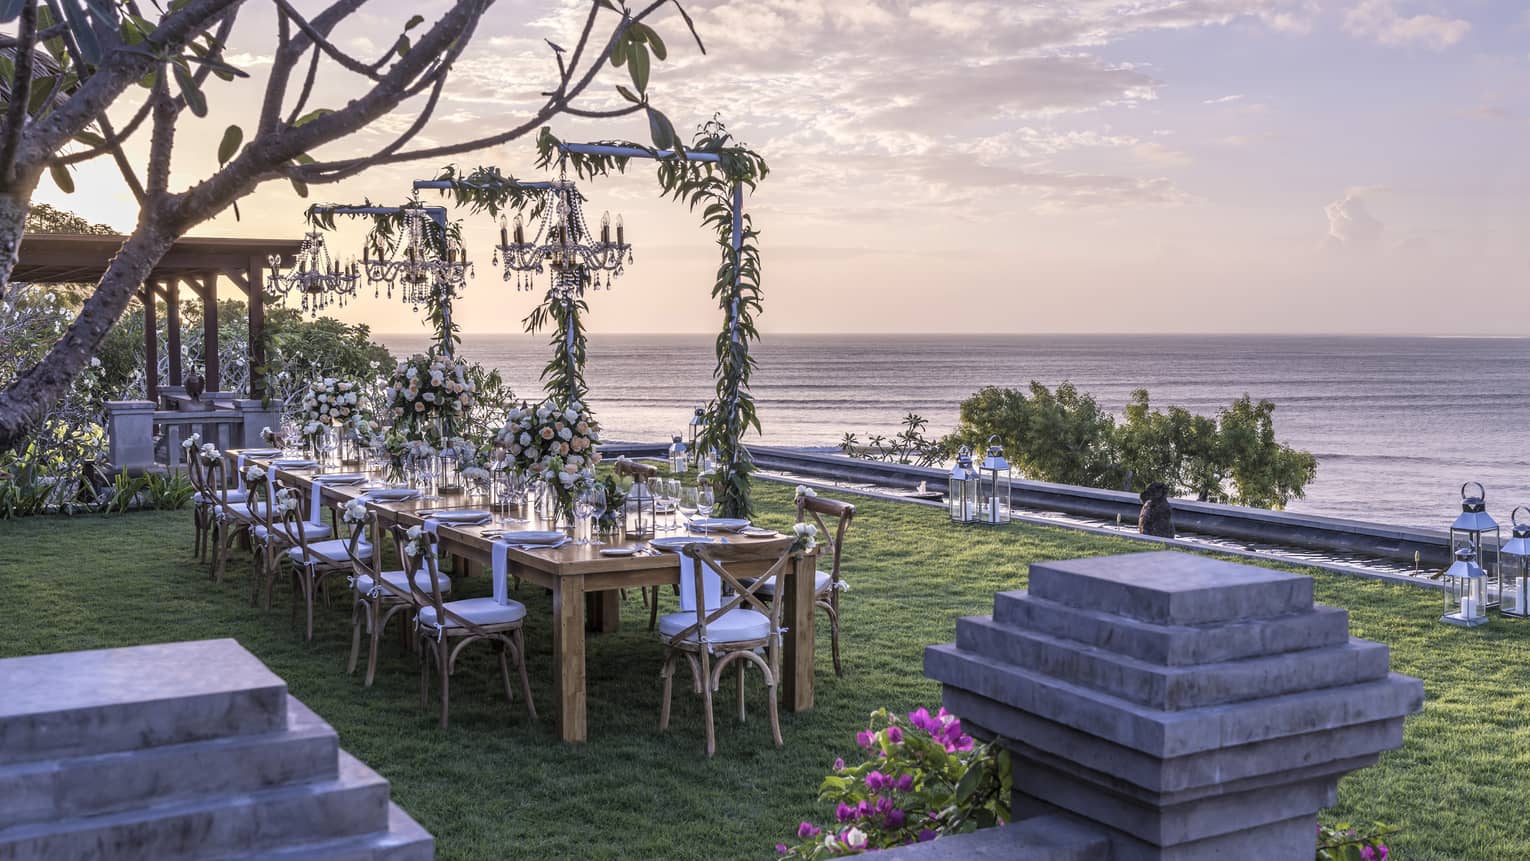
[1514, 569]
[963, 491]
[996, 481]
[1465, 590]
[1477, 529]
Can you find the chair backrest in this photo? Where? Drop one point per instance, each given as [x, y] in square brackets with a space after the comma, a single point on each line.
[746, 593]
[197, 475]
[639, 471]
[427, 561]
[814, 509]
[213, 475]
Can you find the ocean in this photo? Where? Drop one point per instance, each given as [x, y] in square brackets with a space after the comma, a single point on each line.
[1397, 424]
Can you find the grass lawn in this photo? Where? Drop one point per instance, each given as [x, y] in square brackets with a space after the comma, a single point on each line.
[497, 786]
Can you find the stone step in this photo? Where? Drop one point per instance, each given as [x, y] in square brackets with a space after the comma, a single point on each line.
[110, 700]
[353, 804]
[404, 840]
[1175, 645]
[304, 751]
[1168, 588]
[1173, 688]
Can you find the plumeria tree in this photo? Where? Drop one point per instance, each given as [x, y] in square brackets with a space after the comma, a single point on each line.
[116, 79]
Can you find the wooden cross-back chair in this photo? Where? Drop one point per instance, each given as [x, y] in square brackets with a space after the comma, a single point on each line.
[740, 625]
[445, 628]
[377, 597]
[828, 584]
[231, 516]
[272, 536]
[308, 551]
[204, 504]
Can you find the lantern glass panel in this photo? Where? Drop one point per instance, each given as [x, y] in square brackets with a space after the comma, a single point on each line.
[640, 512]
[964, 489]
[1465, 590]
[994, 494]
[1514, 570]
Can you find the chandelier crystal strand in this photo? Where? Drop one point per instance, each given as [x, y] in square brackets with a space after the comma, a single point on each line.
[562, 243]
[416, 263]
[320, 281]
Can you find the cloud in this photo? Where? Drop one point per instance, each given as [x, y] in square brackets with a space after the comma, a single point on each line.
[1380, 20]
[1222, 100]
[1350, 222]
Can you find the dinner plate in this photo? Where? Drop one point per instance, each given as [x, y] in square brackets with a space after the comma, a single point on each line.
[532, 537]
[619, 551]
[341, 478]
[261, 452]
[675, 542]
[465, 516]
[294, 462]
[758, 532]
[394, 494]
[719, 524]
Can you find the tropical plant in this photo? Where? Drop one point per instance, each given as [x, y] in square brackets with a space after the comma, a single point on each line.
[907, 446]
[917, 780]
[1345, 842]
[1062, 436]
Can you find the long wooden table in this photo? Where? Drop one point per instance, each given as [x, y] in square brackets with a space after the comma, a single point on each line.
[585, 588]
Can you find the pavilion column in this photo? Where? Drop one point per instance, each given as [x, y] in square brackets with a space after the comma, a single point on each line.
[173, 328]
[150, 344]
[210, 331]
[257, 300]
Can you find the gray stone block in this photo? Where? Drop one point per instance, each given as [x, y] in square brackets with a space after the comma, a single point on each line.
[1292, 840]
[404, 840]
[305, 750]
[82, 703]
[1171, 588]
[1175, 645]
[1173, 688]
[1042, 838]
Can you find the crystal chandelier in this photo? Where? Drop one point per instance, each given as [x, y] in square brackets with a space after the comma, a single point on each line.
[321, 281]
[563, 244]
[415, 263]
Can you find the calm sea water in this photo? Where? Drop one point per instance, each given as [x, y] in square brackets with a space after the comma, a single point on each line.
[1397, 423]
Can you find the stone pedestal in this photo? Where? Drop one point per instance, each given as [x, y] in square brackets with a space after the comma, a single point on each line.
[130, 435]
[1190, 706]
[181, 751]
[255, 418]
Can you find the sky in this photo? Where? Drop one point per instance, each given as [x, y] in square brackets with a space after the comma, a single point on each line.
[998, 166]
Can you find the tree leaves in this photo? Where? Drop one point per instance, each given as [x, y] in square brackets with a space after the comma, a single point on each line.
[195, 100]
[61, 178]
[233, 136]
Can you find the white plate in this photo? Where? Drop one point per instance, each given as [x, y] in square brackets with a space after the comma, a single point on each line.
[759, 532]
[719, 524]
[294, 463]
[675, 542]
[461, 516]
[394, 494]
[619, 551]
[532, 537]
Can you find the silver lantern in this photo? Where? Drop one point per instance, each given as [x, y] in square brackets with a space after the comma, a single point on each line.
[698, 427]
[963, 493]
[996, 485]
[1474, 527]
[1465, 590]
[1514, 569]
[640, 513]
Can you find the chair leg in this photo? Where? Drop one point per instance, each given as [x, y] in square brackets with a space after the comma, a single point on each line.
[308, 599]
[504, 668]
[773, 710]
[668, 675]
[519, 641]
[426, 656]
[445, 669]
[653, 609]
[741, 690]
[706, 703]
[359, 610]
[833, 610]
[374, 637]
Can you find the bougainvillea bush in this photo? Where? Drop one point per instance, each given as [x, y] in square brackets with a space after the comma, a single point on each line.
[1346, 842]
[919, 778]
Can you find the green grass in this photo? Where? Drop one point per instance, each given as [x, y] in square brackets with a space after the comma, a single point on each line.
[496, 786]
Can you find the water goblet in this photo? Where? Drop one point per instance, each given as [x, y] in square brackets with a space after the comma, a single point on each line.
[686, 504]
[583, 505]
[705, 500]
[597, 501]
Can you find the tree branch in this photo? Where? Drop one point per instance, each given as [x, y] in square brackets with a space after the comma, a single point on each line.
[21, 93]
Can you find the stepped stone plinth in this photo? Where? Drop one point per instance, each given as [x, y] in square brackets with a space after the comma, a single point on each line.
[1192, 707]
[181, 751]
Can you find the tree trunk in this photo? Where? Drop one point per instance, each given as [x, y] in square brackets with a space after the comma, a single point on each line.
[26, 400]
[15, 203]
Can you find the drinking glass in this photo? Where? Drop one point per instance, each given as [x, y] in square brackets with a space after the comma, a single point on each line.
[583, 505]
[686, 503]
[597, 501]
[705, 499]
[672, 500]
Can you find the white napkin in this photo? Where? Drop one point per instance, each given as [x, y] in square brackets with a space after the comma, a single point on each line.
[711, 586]
[500, 572]
[316, 501]
[239, 470]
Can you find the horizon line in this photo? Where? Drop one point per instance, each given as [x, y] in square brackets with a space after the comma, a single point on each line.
[925, 334]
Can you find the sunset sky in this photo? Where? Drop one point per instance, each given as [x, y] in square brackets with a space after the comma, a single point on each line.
[1008, 166]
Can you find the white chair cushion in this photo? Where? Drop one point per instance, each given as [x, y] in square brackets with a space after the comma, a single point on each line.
[311, 531]
[820, 584]
[212, 499]
[734, 626]
[332, 551]
[398, 580]
[479, 611]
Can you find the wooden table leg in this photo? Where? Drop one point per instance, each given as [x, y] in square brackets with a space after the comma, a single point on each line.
[798, 617]
[568, 656]
[605, 608]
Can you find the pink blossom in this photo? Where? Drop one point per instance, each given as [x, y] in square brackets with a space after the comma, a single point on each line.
[839, 763]
[808, 829]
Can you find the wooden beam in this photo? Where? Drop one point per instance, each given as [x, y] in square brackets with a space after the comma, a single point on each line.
[150, 345]
[210, 371]
[257, 299]
[237, 276]
[173, 327]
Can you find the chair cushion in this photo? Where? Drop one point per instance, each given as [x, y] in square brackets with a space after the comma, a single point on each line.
[311, 531]
[479, 611]
[212, 499]
[332, 551]
[820, 584]
[737, 625]
[398, 580]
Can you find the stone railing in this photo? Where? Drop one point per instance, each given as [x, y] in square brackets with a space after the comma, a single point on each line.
[140, 437]
[1167, 706]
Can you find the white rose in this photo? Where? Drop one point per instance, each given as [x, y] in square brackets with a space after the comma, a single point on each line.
[565, 434]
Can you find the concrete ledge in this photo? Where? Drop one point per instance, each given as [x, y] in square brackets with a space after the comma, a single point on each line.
[1042, 838]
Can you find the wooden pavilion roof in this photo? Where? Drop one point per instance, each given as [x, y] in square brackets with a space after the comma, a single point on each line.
[83, 257]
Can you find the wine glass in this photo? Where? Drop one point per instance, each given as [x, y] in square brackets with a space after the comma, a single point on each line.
[686, 503]
[597, 500]
[672, 501]
[583, 505]
[705, 500]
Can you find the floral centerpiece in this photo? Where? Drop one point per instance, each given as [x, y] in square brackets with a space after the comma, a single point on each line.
[328, 403]
[555, 444]
[427, 391]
